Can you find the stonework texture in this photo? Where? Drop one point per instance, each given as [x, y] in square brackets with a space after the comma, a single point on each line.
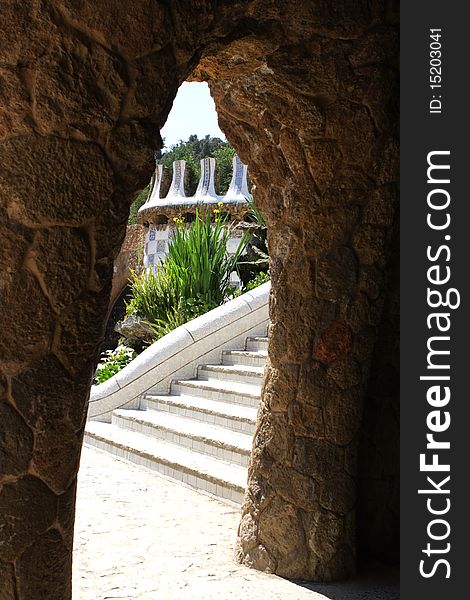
[129, 259]
[307, 93]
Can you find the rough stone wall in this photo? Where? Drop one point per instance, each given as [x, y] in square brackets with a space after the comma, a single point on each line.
[132, 251]
[305, 92]
[129, 259]
[84, 87]
[317, 122]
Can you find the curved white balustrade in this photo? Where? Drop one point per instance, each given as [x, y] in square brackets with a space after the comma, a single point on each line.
[178, 354]
[205, 194]
[155, 185]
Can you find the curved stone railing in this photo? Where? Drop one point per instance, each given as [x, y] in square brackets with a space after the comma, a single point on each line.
[178, 354]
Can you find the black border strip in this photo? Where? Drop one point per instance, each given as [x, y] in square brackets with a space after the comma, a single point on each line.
[423, 132]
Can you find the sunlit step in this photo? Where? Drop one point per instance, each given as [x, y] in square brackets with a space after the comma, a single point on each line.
[209, 475]
[225, 414]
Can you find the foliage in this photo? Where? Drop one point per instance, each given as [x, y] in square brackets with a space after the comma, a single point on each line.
[112, 362]
[261, 278]
[256, 258]
[194, 278]
[138, 202]
[223, 160]
[253, 283]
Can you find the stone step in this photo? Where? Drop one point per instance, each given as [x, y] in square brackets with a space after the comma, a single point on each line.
[225, 391]
[213, 440]
[233, 416]
[256, 343]
[245, 357]
[236, 373]
[209, 475]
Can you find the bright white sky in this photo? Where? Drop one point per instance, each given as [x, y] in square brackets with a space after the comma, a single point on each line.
[193, 111]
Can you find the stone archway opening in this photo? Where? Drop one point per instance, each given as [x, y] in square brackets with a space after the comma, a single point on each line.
[197, 172]
[307, 94]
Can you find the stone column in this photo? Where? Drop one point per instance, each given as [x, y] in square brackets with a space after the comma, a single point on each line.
[323, 155]
[56, 265]
[156, 238]
[77, 135]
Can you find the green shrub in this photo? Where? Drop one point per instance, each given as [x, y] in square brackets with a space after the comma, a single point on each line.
[224, 166]
[256, 258]
[257, 281]
[253, 283]
[151, 295]
[140, 199]
[112, 362]
[192, 151]
[194, 278]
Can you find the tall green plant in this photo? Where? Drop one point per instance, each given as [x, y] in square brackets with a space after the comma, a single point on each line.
[140, 199]
[256, 258]
[199, 262]
[194, 278]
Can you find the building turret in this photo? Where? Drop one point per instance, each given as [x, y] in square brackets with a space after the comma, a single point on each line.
[159, 214]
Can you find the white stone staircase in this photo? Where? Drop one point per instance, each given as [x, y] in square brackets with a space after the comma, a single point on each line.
[201, 433]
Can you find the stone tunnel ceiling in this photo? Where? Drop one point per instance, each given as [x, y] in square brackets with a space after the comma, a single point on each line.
[307, 94]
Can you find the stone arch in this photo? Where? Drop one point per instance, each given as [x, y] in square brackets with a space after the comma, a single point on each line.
[307, 94]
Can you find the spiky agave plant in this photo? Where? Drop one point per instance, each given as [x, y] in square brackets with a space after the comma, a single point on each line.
[198, 262]
[194, 278]
[256, 258]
